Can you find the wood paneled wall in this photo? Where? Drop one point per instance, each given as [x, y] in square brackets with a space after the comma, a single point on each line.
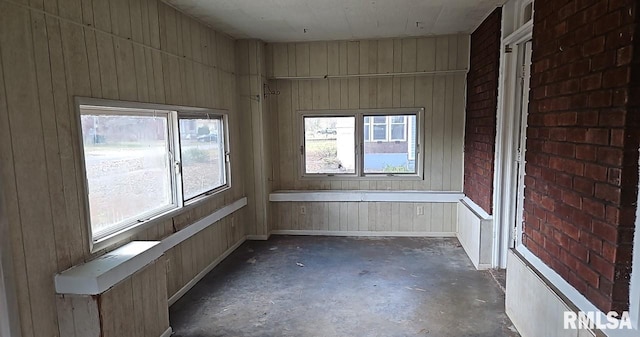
[137, 50]
[136, 307]
[186, 260]
[258, 135]
[436, 218]
[442, 96]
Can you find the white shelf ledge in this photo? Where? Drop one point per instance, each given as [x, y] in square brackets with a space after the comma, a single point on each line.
[366, 196]
[97, 276]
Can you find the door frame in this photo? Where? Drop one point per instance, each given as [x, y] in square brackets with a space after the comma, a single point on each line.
[504, 181]
[9, 314]
[524, 59]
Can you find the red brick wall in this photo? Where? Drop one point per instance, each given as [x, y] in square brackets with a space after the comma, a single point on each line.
[582, 145]
[480, 127]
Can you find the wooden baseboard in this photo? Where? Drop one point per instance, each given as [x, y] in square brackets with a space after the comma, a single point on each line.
[365, 233]
[167, 333]
[258, 237]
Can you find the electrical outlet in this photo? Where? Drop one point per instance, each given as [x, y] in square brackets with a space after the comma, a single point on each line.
[420, 210]
[303, 210]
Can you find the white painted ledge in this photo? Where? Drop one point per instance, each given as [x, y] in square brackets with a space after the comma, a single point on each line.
[167, 333]
[182, 235]
[475, 232]
[559, 288]
[479, 212]
[366, 196]
[97, 276]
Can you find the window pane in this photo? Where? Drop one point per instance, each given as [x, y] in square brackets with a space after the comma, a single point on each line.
[394, 157]
[380, 120]
[397, 131]
[202, 153]
[397, 119]
[367, 130]
[329, 145]
[128, 174]
[380, 132]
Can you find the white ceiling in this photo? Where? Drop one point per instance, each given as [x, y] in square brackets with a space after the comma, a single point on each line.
[287, 20]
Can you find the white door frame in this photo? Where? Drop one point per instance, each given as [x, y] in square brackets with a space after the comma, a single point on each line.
[504, 179]
[634, 291]
[9, 316]
[524, 59]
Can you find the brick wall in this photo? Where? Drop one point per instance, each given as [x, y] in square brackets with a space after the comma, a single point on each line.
[582, 145]
[480, 127]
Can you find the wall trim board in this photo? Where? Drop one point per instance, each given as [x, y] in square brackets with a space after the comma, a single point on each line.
[167, 333]
[182, 235]
[258, 237]
[475, 233]
[175, 297]
[634, 286]
[365, 196]
[392, 74]
[543, 303]
[566, 292]
[477, 210]
[364, 233]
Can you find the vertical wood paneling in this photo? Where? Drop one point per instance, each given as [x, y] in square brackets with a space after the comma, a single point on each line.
[368, 216]
[54, 170]
[86, 316]
[116, 49]
[102, 15]
[120, 18]
[65, 314]
[436, 168]
[107, 66]
[31, 178]
[426, 54]
[442, 96]
[13, 212]
[318, 58]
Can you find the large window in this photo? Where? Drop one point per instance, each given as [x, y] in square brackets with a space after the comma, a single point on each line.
[324, 155]
[142, 162]
[202, 151]
[358, 143]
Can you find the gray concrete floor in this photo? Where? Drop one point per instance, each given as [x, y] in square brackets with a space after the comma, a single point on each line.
[333, 286]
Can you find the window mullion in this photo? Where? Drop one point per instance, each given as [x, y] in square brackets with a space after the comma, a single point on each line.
[359, 139]
[176, 161]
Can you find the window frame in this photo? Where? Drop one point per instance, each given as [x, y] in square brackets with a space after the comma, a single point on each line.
[405, 131]
[359, 140]
[303, 152]
[129, 228]
[222, 134]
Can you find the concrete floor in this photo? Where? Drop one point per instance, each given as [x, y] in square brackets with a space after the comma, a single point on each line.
[333, 286]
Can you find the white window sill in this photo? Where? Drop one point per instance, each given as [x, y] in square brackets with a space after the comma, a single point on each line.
[97, 276]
